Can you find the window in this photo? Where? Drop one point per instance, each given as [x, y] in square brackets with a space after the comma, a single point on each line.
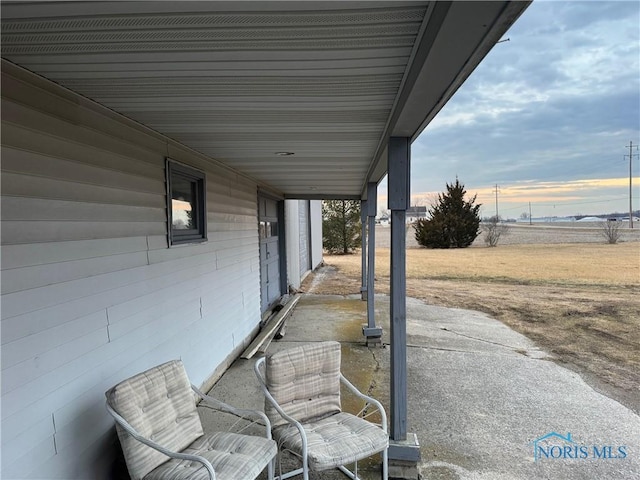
[186, 204]
[268, 229]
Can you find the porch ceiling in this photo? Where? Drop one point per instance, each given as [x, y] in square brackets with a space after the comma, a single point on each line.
[242, 81]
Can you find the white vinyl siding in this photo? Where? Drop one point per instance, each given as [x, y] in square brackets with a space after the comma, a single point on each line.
[304, 230]
[303, 215]
[91, 293]
[315, 209]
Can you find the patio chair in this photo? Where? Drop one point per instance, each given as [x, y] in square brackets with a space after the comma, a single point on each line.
[302, 400]
[162, 436]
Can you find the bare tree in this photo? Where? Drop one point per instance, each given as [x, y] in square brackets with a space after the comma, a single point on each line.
[493, 229]
[383, 212]
[610, 230]
[425, 199]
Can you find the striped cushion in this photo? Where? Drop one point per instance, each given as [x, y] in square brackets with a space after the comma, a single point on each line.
[305, 381]
[337, 440]
[233, 457]
[160, 405]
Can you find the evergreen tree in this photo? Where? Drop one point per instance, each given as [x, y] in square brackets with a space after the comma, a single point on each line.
[453, 222]
[340, 225]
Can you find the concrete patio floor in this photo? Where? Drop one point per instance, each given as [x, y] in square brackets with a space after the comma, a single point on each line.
[479, 395]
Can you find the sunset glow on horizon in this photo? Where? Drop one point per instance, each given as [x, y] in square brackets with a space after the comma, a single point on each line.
[547, 198]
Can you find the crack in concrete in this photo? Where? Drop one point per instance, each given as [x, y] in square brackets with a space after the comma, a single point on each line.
[481, 339]
[441, 349]
[373, 384]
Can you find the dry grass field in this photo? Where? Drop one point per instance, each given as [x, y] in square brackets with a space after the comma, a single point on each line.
[581, 302]
[561, 264]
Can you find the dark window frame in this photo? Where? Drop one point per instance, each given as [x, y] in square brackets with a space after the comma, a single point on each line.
[178, 171]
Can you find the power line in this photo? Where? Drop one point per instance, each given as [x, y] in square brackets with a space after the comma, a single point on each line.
[631, 155]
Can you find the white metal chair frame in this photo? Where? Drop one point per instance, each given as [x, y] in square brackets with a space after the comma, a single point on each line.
[363, 413]
[210, 402]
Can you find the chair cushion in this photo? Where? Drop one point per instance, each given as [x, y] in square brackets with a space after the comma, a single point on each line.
[337, 440]
[305, 381]
[160, 405]
[232, 455]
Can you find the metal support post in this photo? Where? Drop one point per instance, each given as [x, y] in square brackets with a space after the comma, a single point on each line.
[398, 312]
[404, 448]
[372, 334]
[363, 223]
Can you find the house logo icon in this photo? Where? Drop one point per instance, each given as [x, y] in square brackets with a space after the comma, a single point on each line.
[552, 443]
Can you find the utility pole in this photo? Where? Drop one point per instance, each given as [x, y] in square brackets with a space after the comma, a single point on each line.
[631, 155]
[496, 191]
[529, 213]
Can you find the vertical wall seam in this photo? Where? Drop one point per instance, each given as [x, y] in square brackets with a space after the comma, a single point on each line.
[106, 312]
[53, 420]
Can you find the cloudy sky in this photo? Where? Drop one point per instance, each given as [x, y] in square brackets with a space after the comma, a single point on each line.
[546, 116]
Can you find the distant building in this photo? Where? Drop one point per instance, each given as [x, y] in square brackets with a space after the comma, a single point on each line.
[415, 213]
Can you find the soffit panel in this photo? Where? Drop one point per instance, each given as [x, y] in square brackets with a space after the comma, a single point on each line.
[236, 85]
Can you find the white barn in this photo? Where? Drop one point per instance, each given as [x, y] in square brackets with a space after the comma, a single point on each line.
[161, 186]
